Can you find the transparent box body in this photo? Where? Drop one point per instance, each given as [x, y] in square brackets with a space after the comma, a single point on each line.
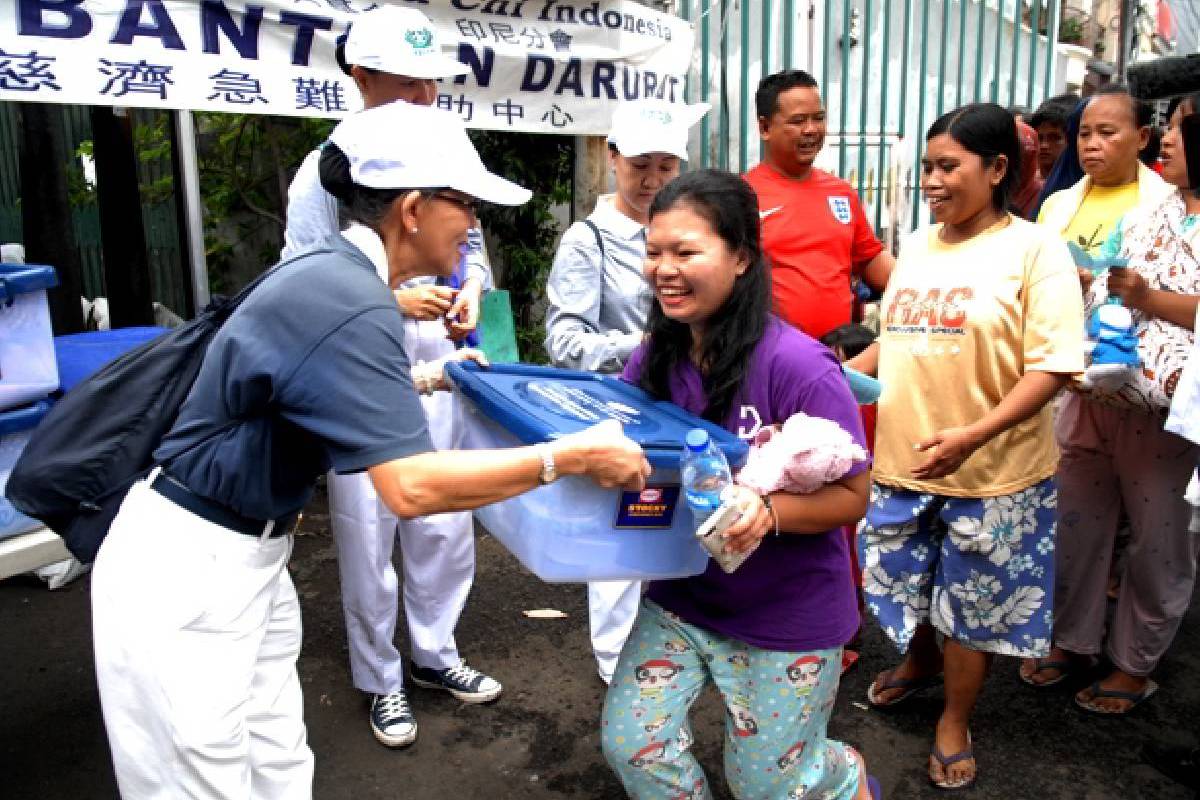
[564, 532]
[16, 427]
[28, 370]
[572, 530]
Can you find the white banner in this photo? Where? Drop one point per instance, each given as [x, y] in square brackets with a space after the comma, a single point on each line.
[551, 66]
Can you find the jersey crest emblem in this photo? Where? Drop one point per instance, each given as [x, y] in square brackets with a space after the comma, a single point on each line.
[840, 208]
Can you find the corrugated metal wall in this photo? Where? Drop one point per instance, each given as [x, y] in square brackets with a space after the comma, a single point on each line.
[887, 69]
[167, 272]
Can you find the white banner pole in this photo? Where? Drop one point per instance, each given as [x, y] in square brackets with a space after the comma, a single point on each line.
[193, 212]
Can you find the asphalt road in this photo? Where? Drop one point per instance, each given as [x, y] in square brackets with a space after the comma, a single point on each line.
[540, 740]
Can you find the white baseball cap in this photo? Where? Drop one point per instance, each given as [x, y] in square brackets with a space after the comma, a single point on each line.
[653, 126]
[399, 41]
[400, 145]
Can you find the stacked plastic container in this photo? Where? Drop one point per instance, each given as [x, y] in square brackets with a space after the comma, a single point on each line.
[28, 371]
[572, 530]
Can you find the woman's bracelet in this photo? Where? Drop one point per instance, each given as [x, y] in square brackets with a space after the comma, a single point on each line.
[421, 380]
[766, 501]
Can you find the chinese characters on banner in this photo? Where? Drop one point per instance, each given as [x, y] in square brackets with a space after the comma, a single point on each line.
[553, 66]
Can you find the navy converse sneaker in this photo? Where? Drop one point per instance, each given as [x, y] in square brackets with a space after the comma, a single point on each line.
[391, 719]
[466, 684]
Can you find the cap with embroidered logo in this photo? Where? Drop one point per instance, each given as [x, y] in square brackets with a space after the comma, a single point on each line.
[653, 126]
[399, 41]
[400, 145]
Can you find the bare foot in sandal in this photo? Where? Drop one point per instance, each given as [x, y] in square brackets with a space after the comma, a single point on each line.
[920, 668]
[952, 762]
[1052, 669]
[1117, 694]
[895, 685]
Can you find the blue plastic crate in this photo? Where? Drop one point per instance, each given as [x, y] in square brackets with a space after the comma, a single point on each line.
[27, 368]
[572, 530]
[15, 429]
[79, 355]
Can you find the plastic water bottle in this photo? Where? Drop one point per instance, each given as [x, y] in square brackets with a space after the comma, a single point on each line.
[705, 474]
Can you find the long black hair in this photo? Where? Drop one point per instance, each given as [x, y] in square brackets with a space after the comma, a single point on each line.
[988, 131]
[732, 332]
[1190, 135]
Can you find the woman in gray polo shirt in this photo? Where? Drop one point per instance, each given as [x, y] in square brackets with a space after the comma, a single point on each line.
[196, 623]
[599, 299]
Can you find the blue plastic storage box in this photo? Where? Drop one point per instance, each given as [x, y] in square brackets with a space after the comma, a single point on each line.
[15, 428]
[79, 355]
[572, 530]
[27, 367]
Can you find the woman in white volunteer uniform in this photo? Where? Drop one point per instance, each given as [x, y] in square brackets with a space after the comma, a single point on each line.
[196, 621]
[381, 53]
[599, 299]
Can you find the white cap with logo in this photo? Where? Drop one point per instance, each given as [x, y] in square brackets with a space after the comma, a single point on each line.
[399, 41]
[405, 146]
[653, 126]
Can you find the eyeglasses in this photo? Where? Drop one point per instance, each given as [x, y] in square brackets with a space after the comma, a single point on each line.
[470, 204]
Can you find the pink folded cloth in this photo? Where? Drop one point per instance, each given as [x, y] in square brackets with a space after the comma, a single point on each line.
[807, 453]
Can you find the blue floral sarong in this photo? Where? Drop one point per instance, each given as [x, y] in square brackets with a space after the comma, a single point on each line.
[981, 570]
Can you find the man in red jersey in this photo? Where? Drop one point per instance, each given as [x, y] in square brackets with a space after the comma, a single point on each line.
[814, 230]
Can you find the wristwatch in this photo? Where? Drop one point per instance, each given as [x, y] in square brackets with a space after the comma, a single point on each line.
[549, 470]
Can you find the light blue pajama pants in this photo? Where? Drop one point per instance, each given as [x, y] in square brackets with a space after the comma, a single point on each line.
[777, 708]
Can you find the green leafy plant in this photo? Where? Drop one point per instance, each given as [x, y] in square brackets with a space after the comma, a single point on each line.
[246, 164]
[1070, 31]
[523, 237]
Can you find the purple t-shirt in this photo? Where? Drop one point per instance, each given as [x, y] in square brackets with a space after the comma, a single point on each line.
[795, 592]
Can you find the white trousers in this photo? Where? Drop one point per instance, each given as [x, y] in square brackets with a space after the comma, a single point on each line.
[612, 609]
[438, 555]
[196, 631]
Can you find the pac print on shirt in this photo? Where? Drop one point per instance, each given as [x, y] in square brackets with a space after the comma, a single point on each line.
[839, 206]
[935, 310]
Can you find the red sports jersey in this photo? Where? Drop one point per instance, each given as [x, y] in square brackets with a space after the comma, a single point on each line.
[815, 235]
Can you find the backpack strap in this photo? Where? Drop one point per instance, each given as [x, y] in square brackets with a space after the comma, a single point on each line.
[599, 238]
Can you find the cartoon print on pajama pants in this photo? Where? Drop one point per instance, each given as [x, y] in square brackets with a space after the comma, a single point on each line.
[804, 674]
[777, 704]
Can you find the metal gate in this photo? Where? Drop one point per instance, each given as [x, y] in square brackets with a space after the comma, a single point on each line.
[887, 69]
[167, 275]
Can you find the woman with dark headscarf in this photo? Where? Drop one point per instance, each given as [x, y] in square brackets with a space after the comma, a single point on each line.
[1029, 183]
[1066, 171]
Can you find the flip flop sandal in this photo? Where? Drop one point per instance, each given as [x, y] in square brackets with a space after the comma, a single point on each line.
[910, 686]
[874, 788]
[1064, 666]
[1098, 692]
[946, 761]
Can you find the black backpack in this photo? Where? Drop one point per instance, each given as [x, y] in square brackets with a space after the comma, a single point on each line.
[100, 437]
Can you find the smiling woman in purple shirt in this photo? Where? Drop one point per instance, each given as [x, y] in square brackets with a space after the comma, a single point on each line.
[769, 635]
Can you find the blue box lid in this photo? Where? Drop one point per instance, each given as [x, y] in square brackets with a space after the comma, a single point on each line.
[24, 418]
[79, 355]
[17, 279]
[538, 404]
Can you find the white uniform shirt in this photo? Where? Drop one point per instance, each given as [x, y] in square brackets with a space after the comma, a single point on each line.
[599, 299]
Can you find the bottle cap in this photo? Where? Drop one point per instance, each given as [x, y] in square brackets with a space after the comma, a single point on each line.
[697, 440]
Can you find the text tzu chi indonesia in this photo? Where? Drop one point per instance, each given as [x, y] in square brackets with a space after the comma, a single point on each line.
[141, 20]
[554, 11]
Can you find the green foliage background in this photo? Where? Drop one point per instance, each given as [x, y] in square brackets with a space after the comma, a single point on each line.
[247, 162]
[523, 238]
